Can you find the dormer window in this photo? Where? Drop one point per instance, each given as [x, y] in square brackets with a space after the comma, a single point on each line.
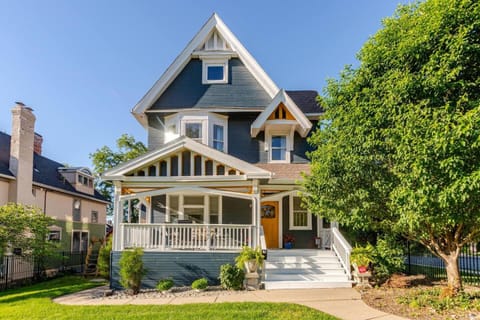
[218, 137]
[194, 130]
[215, 71]
[279, 148]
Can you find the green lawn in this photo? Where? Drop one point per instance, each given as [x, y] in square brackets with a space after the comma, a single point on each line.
[34, 302]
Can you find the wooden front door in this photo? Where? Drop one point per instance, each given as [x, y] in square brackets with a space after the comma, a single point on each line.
[270, 223]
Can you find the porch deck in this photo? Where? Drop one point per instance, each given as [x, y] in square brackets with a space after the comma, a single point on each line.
[194, 237]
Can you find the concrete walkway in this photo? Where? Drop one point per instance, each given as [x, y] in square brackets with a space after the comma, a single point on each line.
[344, 303]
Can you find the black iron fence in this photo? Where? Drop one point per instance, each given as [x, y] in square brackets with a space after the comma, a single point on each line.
[17, 270]
[420, 261]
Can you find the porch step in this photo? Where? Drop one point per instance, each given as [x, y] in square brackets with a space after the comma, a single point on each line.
[299, 269]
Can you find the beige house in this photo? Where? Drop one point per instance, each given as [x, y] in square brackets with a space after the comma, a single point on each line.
[66, 194]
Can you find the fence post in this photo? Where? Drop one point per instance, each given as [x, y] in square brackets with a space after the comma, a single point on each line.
[81, 261]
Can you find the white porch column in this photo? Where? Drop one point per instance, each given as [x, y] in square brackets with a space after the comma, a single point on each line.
[117, 217]
[256, 218]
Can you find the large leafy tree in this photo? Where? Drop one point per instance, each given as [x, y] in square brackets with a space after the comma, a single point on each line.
[25, 227]
[399, 147]
[105, 158]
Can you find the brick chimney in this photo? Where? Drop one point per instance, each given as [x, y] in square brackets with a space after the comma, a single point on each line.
[21, 154]
[37, 143]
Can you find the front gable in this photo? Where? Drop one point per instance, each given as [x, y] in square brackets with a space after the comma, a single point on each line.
[184, 159]
[215, 46]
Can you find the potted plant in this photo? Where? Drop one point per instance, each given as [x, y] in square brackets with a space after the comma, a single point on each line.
[288, 241]
[362, 257]
[250, 258]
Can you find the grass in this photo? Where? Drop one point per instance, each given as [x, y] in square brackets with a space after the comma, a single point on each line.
[34, 302]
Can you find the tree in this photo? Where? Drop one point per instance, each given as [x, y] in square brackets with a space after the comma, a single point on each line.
[105, 158]
[398, 150]
[24, 227]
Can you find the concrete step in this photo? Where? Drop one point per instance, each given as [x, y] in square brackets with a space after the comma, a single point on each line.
[297, 269]
[272, 285]
[302, 265]
[320, 271]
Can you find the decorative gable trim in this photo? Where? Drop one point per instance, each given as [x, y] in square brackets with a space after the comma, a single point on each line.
[233, 168]
[214, 26]
[302, 124]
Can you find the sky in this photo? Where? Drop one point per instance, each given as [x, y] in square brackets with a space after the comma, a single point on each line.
[83, 65]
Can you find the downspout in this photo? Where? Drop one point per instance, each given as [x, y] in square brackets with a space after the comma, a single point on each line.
[45, 202]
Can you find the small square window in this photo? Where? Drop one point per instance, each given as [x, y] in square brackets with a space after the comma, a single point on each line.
[193, 130]
[215, 73]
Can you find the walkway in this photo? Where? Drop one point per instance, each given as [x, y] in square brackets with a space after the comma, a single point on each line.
[344, 303]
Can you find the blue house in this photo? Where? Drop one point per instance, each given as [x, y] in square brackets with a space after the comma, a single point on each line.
[227, 148]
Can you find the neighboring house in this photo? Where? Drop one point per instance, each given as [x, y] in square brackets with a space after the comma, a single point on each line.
[66, 194]
[227, 149]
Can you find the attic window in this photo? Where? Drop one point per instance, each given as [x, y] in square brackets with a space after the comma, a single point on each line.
[215, 71]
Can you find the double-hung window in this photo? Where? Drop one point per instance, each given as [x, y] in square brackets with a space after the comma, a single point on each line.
[194, 130]
[218, 137]
[300, 218]
[279, 148]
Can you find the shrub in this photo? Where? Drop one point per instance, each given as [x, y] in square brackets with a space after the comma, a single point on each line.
[164, 284]
[231, 277]
[132, 270]
[103, 263]
[387, 259]
[200, 284]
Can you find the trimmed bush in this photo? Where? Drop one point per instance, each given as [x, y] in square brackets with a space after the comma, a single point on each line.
[231, 277]
[164, 284]
[200, 284]
[132, 270]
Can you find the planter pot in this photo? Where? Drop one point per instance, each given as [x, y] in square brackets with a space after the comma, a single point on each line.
[251, 266]
[362, 269]
[288, 245]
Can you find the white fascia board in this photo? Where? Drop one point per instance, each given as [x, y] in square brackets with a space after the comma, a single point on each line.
[118, 172]
[281, 97]
[184, 57]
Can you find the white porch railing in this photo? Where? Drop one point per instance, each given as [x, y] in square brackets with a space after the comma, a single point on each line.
[342, 248]
[186, 236]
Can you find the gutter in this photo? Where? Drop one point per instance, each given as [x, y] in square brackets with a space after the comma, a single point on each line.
[7, 177]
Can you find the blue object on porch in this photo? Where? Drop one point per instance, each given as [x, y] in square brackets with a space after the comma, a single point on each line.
[288, 245]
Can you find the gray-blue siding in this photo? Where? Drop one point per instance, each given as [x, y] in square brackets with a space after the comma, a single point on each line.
[182, 267]
[187, 90]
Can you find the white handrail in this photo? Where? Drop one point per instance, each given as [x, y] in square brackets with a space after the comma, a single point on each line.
[342, 248]
[168, 236]
[263, 242]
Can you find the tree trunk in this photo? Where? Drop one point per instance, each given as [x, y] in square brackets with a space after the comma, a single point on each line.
[453, 272]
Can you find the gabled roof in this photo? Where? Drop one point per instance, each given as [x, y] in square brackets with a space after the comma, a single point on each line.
[213, 24]
[306, 100]
[303, 124]
[177, 145]
[45, 171]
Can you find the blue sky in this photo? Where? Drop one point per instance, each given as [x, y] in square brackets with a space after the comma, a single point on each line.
[82, 65]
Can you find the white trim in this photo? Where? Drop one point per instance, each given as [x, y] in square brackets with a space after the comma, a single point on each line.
[302, 125]
[210, 109]
[214, 23]
[250, 170]
[290, 218]
[206, 63]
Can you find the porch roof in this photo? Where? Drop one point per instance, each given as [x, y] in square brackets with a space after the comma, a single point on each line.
[249, 171]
